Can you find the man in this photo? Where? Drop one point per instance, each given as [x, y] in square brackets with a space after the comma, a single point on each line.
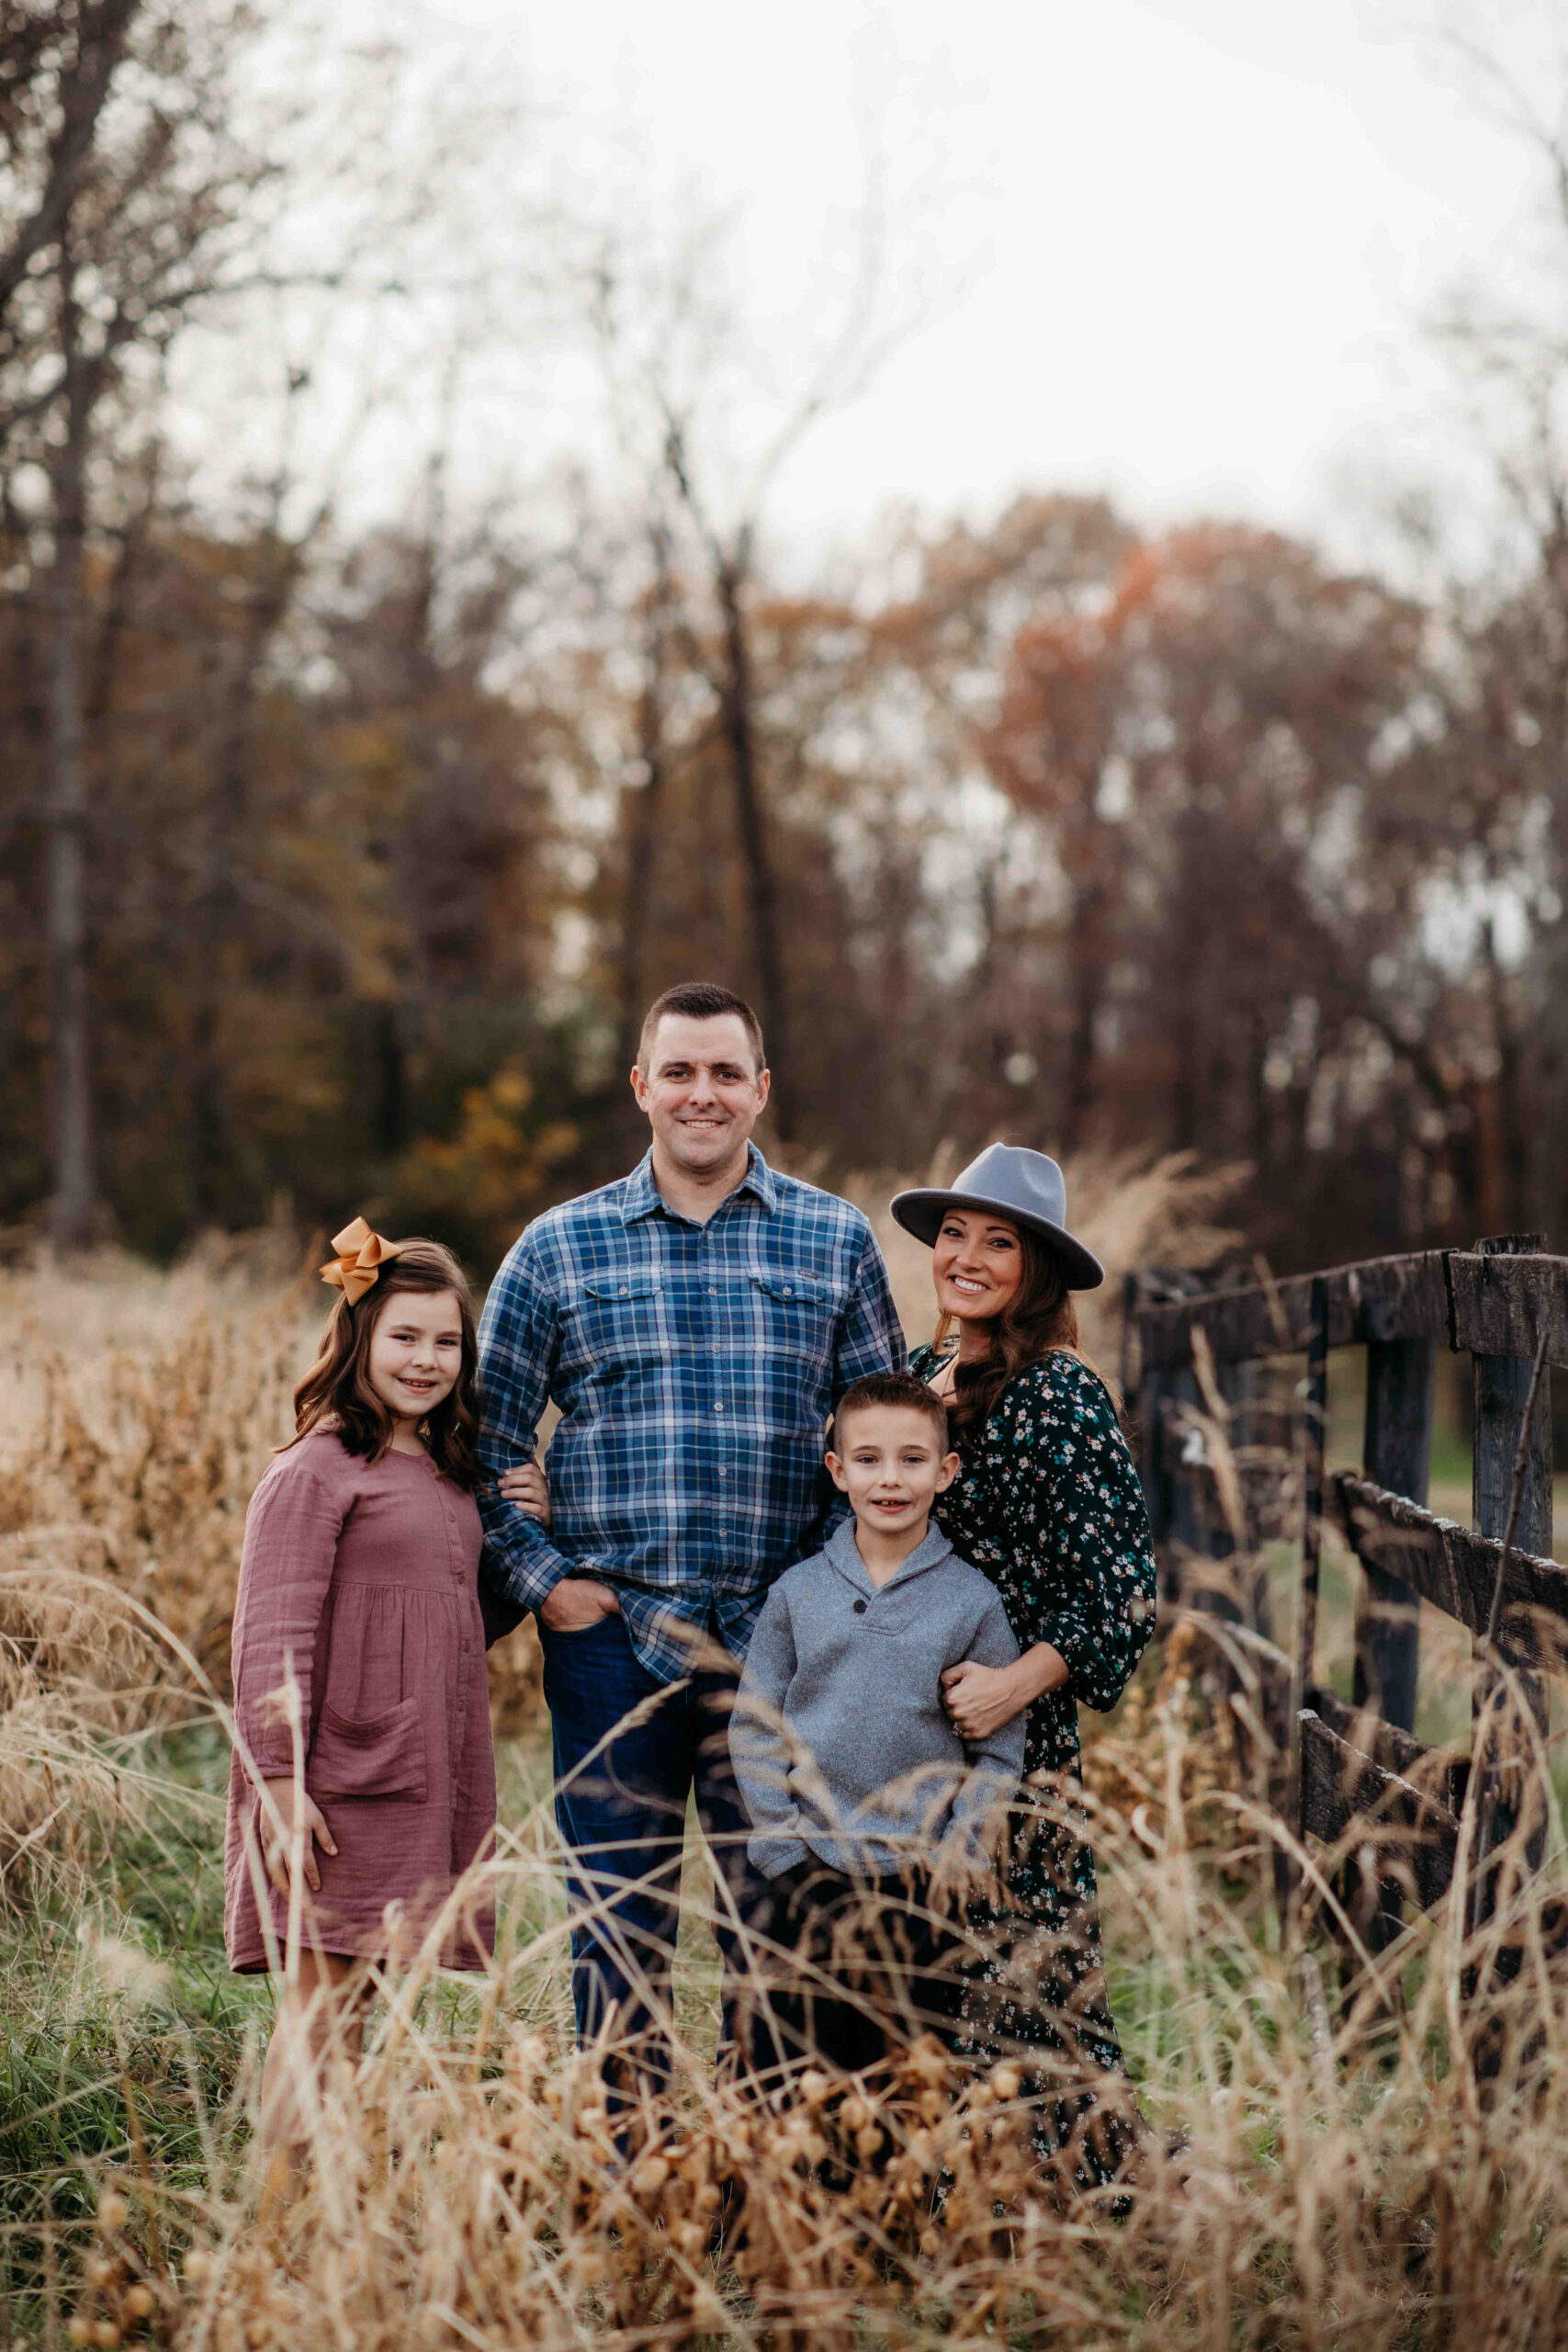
[696, 1323]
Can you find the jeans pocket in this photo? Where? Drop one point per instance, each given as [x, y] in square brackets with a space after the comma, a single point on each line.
[584, 1667]
[548, 1633]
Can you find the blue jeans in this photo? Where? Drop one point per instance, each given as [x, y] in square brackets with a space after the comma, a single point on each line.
[622, 1818]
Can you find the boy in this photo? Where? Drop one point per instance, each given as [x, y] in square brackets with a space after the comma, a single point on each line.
[869, 1813]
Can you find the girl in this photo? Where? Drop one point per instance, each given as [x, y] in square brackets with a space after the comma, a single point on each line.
[363, 1782]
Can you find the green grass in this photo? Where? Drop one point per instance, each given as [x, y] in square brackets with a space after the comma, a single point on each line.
[123, 2032]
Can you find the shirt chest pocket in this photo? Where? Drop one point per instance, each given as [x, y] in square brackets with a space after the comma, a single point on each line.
[793, 1315]
[616, 1321]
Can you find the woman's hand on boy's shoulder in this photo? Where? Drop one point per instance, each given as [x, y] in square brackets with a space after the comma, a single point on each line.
[980, 1699]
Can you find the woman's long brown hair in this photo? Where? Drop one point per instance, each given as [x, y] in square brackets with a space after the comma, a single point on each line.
[336, 1394]
[1038, 1320]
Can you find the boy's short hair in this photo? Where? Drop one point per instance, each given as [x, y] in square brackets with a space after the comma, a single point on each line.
[699, 1000]
[896, 1389]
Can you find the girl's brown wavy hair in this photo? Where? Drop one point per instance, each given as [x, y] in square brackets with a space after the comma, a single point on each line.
[1038, 1320]
[336, 1394]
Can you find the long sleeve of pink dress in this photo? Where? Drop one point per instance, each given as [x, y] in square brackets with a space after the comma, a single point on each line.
[359, 1581]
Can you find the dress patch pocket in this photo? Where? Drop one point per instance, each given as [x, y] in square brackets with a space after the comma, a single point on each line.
[372, 1756]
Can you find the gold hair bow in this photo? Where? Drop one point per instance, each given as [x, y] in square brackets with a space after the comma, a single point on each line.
[361, 1255]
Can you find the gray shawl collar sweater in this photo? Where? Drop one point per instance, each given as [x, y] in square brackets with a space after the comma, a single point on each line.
[841, 1743]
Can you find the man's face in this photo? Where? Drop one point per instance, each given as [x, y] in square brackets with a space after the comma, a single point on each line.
[702, 1090]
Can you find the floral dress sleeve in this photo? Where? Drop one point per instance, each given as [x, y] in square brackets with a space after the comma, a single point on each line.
[1078, 1532]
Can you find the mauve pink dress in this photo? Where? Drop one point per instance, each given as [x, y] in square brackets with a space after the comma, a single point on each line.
[366, 1576]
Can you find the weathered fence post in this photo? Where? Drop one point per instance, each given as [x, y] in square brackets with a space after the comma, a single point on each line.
[1397, 1453]
[1161, 1395]
[1315, 1420]
[1239, 1386]
[1502, 1392]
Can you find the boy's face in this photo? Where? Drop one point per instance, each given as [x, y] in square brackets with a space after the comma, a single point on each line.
[891, 1466]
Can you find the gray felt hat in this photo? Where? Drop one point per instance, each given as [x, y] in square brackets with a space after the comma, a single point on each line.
[1021, 1185]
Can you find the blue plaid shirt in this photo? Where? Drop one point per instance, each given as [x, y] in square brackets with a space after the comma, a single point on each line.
[696, 1367]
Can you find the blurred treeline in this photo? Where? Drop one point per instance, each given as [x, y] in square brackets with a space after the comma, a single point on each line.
[337, 861]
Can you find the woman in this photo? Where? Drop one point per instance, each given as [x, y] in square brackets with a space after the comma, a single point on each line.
[1048, 1505]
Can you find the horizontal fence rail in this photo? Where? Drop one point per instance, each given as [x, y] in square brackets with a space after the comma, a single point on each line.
[1414, 1834]
[1482, 1304]
[1390, 1806]
[1457, 1570]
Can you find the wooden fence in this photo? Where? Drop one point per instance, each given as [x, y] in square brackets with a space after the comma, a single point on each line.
[1359, 1767]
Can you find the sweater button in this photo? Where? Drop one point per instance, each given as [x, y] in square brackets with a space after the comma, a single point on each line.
[860, 1608]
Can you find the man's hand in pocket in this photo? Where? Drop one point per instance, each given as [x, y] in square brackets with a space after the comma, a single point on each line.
[578, 1602]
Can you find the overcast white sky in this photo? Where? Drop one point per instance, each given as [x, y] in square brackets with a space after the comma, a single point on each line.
[1197, 238]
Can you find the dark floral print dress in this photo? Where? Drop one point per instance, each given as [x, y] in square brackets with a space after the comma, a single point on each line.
[1047, 1504]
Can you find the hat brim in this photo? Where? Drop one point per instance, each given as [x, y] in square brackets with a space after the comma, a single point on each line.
[920, 1211]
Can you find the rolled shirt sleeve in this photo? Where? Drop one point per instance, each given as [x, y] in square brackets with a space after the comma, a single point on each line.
[871, 1338]
[519, 1343]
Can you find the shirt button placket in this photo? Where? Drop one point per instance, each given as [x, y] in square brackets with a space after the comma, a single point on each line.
[709, 1289]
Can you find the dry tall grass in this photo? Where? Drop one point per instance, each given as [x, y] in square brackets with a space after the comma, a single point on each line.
[139, 1410]
[1346, 2173]
[1344, 2176]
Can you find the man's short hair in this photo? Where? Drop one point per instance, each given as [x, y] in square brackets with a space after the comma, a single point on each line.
[898, 1388]
[699, 1000]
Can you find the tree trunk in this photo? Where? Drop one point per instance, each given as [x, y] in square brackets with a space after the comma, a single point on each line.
[121, 596]
[1259, 1110]
[388, 1083]
[1512, 1143]
[1190, 915]
[740, 730]
[211, 1145]
[644, 814]
[75, 1192]
[1086, 956]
